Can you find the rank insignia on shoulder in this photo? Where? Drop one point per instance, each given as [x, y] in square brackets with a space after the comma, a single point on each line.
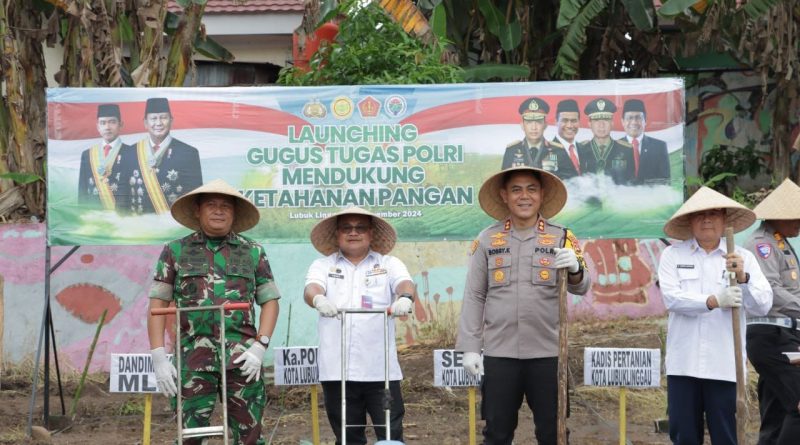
[507, 225]
[764, 250]
[473, 247]
[540, 225]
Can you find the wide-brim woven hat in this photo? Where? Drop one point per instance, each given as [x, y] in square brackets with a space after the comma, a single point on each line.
[554, 193]
[782, 203]
[736, 215]
[245, 215]
[323, 235]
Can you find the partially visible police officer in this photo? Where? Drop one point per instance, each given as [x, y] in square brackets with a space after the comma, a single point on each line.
[510, 308]
[524, 153]
[769, 337]
[602, 154]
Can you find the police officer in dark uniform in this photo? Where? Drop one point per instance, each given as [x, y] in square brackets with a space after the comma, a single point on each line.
[561, 157]
[602, 154]
[769, 337]
[524, 153]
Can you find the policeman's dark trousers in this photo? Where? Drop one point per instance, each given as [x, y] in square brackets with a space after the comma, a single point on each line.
[505, 382]
[688, 398]
[364, 398]
[778, 383]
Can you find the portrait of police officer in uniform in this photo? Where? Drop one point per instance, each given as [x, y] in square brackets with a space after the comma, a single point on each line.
[163, 168]
[99, 175]
[650, 155]
[561, 157]
[525, 152]
[601, 154]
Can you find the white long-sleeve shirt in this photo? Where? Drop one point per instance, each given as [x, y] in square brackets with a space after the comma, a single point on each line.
[699, 340]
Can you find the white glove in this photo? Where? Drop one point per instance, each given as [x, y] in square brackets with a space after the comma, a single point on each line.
[324, 306]
[402, 306]
[252, 358]
[473, 363]
[165, 372]
[566, 258]
[730, 297]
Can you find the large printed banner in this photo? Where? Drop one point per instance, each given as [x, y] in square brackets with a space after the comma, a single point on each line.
[417, 155]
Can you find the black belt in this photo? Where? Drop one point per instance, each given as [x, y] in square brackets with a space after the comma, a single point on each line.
[784, 322]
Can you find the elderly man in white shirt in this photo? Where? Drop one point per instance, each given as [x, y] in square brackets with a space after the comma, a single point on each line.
[700, 361]
[357, 272]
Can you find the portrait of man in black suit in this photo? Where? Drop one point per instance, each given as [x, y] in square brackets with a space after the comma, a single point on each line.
[100, 171]
[651, 158]
[163, 168]
[560, 156]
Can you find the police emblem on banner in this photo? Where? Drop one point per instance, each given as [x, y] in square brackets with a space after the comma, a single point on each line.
[314, 109]
[764, 250]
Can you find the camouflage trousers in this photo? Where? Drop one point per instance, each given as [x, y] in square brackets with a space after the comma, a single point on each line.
[200, 391]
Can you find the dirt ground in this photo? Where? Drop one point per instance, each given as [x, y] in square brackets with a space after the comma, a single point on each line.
[433, 415]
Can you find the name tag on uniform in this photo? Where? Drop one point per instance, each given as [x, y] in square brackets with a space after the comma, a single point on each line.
[336, 275]
[366, 302]
[376, 271]
[685, 266]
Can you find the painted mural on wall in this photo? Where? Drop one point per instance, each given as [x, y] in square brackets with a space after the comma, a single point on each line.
[116, 279]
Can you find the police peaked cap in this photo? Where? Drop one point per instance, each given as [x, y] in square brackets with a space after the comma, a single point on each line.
[633, 105]
[108, 110]
[157, 105]
[568, 105]
[533, 109]
[600, 108]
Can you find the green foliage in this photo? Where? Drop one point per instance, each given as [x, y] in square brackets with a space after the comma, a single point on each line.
[509, 34]
[641, 13]
[439, 21]
[491, 71]
[576, 19]
[371, 49]
[133, 405]
[673, 8]
[756, 8]
[724, 163]
[21, 177]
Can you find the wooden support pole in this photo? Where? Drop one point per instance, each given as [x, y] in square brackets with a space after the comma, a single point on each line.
[562, 357]
[472, 417]
[741, 407]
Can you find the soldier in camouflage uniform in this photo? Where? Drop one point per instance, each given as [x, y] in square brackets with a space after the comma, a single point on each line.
[212, 266]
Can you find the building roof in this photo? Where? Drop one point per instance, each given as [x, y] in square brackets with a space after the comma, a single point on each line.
[245, 6]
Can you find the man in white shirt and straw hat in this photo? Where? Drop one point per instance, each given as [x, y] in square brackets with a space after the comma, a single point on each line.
[695, 285]
[769, 337]
[213, 266]
[511, 302]
[358, 272]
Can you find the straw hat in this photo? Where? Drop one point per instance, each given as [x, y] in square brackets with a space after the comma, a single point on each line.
[553, 199]
[323, 235]
[736, 215]
[245, 215]
[782, 203]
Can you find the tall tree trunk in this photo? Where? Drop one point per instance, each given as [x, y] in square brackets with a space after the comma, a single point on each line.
[182, 48]
[22, 73]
